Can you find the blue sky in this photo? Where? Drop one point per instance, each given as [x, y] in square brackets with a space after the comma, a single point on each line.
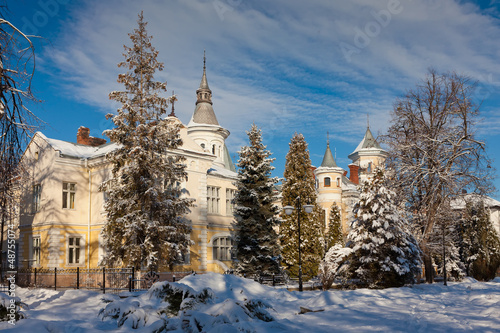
[290, 66]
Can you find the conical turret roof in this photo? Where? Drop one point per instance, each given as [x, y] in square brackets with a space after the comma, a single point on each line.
[204, 112]
[328, 160]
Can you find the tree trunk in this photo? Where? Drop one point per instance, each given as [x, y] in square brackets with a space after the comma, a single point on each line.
[429, 270]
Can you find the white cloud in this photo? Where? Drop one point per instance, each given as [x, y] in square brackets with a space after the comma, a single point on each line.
[279, 63]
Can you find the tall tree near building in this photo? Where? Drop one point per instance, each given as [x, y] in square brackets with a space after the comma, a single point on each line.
[480, 243]
[334, 235]
[145, 211]
[383, 251]
[435, 151]
[299, 182]
[17, 122]
[255, 213]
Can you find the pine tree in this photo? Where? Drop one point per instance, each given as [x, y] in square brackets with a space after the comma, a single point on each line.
[480, 246]
[145, 224]
[334, 235]
[299, 182]
[384, 253]
[255, 213]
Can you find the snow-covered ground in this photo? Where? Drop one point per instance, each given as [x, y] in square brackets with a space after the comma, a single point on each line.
[466, 306]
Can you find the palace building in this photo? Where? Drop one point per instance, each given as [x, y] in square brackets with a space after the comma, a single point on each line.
[62, 212]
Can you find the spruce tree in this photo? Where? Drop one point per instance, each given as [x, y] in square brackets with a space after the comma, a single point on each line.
[334, 235]
[384, 253]
[255, 213]
[145, 224]
[299, 181]
[480, 246]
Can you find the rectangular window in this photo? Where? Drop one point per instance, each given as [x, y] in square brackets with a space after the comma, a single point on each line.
[69, 193]
[74, 248]
[213, 199]
[37, 191]
[229, 201]
[223, 249]
[36, 251]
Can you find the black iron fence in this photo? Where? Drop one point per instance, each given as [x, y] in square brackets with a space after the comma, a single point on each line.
[107, 280]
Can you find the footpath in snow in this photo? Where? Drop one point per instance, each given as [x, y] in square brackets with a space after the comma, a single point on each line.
[233, 304]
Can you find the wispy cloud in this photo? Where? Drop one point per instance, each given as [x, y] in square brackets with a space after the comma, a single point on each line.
[281, 64]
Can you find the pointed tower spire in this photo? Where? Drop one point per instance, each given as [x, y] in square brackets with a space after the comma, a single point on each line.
[172, 100]
[204, 112]
[328, 160]
[204, 82]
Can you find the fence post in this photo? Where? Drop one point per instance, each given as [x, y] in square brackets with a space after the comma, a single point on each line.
[104, 280]
[274, 281]
[133, 278]
[35, 277]
[55, 278]
[130, 283]
[78, 278]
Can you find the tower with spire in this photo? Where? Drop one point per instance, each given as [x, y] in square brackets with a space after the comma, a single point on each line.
[329, 179]
[204, 128]
[366, 157]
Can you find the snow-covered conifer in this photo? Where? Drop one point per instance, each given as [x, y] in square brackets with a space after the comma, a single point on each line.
[334, 235]
[255, 213]
[384, 253]
[480, 243]
[145, 224]
[299, 181]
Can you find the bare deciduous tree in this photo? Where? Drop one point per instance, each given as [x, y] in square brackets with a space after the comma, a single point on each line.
[435, 152]
[17, 122]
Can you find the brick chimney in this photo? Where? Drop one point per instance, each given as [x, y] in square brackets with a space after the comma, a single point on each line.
[83, 137]
[354, 173]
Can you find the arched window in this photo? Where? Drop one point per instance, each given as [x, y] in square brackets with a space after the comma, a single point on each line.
[327, 182]
[223, 248]
[213, 149]
[338, 182]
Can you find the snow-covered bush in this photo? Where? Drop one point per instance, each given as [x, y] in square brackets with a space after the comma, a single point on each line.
[330, 264]
[10, 308]
[179, 297]
[176, 306]
[172, 298]
[230, 315]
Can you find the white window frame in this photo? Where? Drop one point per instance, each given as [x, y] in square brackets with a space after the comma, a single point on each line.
[213, 199]
[75, 244]
[36, 250]
[223, 248]
[68, 195]
[230, 193]
[37, 196]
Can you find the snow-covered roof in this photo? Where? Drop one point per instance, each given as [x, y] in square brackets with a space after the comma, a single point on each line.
[460, 203]
[78, 150]
[220, 171]
[368, 142]
[348, 185]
